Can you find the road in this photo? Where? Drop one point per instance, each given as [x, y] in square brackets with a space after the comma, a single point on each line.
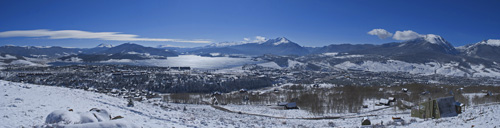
[357, 115]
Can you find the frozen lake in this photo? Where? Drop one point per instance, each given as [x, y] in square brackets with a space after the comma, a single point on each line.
[193, 61]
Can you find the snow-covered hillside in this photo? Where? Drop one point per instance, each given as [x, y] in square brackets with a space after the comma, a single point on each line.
[11, 60]
[27, 105]
[430, 68]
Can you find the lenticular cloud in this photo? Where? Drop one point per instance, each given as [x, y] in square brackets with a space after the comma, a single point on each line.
[78, 34]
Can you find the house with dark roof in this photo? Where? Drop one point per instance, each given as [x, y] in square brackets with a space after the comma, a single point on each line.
[291, 105]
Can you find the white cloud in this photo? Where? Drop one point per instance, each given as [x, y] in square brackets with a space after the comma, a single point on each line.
[258, 39]
[78, 34]
[406, 35]
[381, 33]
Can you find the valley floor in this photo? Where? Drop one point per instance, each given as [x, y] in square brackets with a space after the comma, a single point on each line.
[27, 105]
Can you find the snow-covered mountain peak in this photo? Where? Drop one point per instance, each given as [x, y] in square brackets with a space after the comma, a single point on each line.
[281, 40]
[438, 40]
[104, 45]
[435, 39]
[430, 42]
[491, 42]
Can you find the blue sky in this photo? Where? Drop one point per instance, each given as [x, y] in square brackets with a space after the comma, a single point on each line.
[188, 23]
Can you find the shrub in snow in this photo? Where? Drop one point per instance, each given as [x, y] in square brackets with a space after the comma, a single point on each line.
[413, 120]
[366, 122]
[116, 117]
[331, 124]
[130, 103]
[100, 114]
[106, 124]
[19, 99]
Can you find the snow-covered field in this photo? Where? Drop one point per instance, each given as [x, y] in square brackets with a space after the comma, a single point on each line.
[28, 105]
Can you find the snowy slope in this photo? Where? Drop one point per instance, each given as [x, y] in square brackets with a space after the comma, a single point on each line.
[270, 65]
[430, 68]
[27, 105]
[282, 40]
[11, 60]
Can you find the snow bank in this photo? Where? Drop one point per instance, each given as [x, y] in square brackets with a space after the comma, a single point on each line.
[70, 117]
[107, 124]
[65, 117]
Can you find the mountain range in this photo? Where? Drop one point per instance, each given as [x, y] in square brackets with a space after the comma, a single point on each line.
[430, 51]
[100, 53]
[428, 55]
[278, 46]
[429, 47]
[486, 49]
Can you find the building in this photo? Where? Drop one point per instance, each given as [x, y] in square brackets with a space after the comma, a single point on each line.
[291, 105]
[282, 103]
[384, 102]
[391, 99]
[441, 107]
